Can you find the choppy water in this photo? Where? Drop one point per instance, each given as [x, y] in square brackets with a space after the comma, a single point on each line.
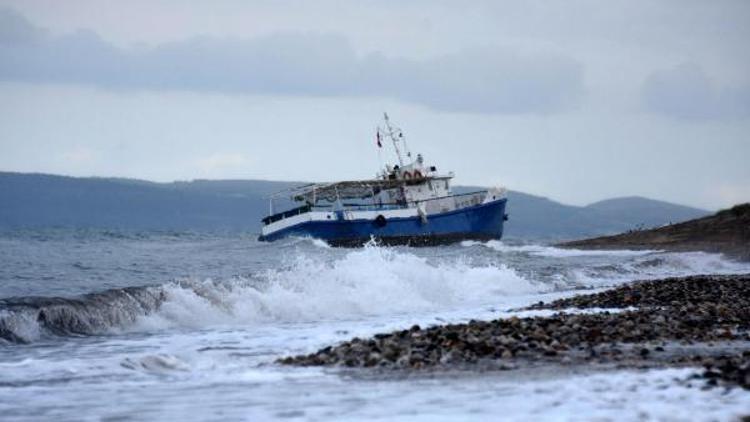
[97, 325]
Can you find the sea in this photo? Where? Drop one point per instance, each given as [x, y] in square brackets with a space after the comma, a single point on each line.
[123, 325]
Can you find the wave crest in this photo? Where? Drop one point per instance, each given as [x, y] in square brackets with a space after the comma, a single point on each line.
[368, 281]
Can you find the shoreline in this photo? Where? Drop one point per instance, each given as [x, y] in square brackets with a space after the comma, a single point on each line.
[740, 253]
[726, 232]
[695, 321]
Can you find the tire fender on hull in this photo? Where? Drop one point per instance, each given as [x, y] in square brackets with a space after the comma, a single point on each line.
[380, 221]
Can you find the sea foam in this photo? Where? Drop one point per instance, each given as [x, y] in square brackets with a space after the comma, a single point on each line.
[363, 282]
[368, 281]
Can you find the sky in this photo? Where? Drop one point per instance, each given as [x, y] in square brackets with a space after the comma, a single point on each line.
[578, 101]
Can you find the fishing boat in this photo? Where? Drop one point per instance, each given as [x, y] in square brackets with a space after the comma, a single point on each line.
[409, 203]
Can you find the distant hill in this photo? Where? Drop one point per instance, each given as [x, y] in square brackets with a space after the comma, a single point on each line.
[649, 211]
[541, 218]
[40, 200]
[727, 231]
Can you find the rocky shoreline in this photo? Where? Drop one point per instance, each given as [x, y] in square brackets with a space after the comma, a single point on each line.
[726, 232]
[687, 321]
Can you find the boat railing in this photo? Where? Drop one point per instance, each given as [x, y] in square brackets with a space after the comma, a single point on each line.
[372, 207]
[460, 202]
[286, 214]
[461, 195]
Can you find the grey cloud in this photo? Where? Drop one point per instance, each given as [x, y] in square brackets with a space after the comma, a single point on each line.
[14, 29]
[477, 81]
[685, 91]
[294, 64]
[496, 81]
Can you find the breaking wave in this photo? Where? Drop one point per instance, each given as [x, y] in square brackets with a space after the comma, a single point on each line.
[553, 252]
[368, 281]
[372, 281]
[571, 268]
[657, 265]
[28, 318]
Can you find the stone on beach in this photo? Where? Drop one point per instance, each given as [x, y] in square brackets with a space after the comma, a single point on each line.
[686, 310]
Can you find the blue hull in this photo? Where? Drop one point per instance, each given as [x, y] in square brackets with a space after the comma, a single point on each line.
[480, 222]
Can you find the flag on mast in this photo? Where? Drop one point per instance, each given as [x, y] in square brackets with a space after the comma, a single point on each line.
[377, 136]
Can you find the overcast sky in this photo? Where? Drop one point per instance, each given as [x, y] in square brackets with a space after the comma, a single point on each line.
[575, 100]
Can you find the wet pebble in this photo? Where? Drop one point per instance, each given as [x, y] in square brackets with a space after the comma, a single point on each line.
[688, 310]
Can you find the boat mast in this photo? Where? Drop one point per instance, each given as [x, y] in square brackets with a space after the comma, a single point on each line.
[392, 134]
